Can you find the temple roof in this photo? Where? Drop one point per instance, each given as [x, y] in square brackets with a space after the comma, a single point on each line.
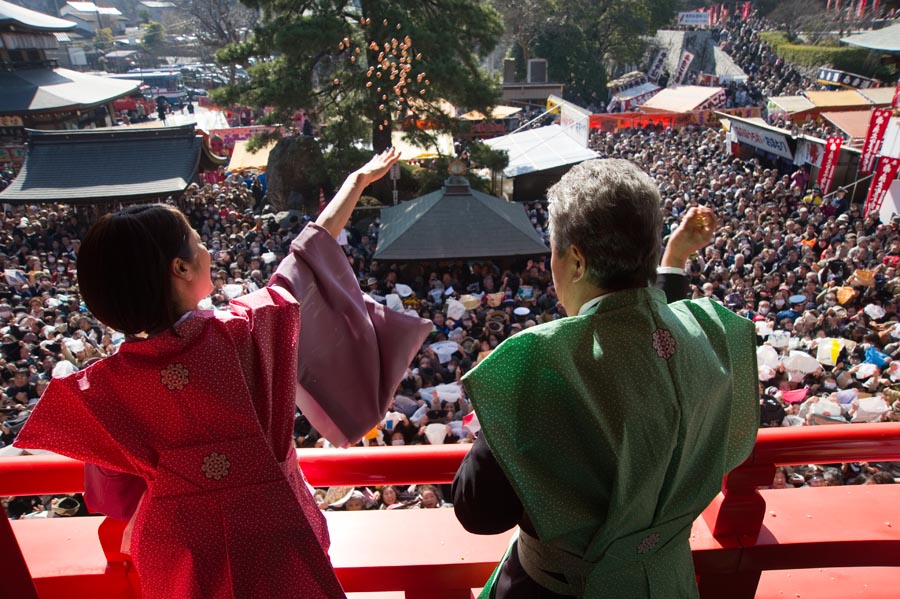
[56, 90]
[456, 222]
[885, 40]
[18, 16]
[120, 164]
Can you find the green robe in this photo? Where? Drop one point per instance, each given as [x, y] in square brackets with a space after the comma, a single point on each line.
[616, 427]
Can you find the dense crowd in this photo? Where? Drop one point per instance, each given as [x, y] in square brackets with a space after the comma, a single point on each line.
[819, 278]
[768, 74]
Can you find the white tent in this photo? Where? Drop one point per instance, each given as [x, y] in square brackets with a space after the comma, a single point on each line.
[441, 146]
[242, 159]
[891, 204]
[685, 98]
[539, 149]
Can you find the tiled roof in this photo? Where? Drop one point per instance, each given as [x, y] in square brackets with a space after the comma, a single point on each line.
[456, 222]
[885, 40]
[13, 14]
[94, 166]
[48, 90]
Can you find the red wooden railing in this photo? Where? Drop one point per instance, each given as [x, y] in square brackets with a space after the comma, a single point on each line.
[736, 517]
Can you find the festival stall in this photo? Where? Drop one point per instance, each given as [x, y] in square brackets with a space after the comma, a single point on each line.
[835, 101]
[789, 108]
[676, 120]
[539, 157]
[832, 164]
[475, 124]
[632, 98]
[854, 124]
[499, 112]
[879, 96]
[222, 141]
[685, 98]
[630, 91]
[244, 160]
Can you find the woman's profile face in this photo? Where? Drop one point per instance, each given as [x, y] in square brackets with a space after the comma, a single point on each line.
[199, 268]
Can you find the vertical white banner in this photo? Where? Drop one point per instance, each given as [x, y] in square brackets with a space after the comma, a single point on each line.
[575, 120]
[683, 65]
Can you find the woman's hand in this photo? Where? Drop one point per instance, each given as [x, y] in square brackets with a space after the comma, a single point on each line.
[378, 166]
[337, 213]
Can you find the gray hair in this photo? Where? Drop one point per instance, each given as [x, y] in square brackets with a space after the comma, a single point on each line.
[610, 210]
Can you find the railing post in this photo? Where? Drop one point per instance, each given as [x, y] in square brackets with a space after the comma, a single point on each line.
[16, 580]
[110, 534]
[742, 509]
[737, 517]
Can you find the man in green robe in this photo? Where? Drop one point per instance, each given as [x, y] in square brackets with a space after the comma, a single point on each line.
[606, 433]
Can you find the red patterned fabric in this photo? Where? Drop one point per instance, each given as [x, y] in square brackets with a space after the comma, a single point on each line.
[205, 415]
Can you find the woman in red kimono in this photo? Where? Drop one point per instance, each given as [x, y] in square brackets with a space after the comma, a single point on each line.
[200, 404]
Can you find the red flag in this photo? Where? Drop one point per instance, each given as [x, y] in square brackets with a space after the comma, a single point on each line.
[322, 201]
[881, 181]
[878, 123]
[745, 10]
[829, 163]
[828, 6]
[895, 103]
[875, 7]
[862, 8]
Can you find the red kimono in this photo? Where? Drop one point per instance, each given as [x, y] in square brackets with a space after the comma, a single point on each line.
[204, 414]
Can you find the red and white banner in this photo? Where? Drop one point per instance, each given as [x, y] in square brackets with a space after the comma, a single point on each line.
[683, 65]
[877, 125]
[884, 176]
[829, 163]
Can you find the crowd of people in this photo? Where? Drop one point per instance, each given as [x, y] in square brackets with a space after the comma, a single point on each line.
[767, 73]
[819, 278]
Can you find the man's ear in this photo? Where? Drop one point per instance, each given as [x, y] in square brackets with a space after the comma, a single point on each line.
[579, 264]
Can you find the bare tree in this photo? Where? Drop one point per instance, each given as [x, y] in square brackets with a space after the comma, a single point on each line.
[218, 23]
[525, 21]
